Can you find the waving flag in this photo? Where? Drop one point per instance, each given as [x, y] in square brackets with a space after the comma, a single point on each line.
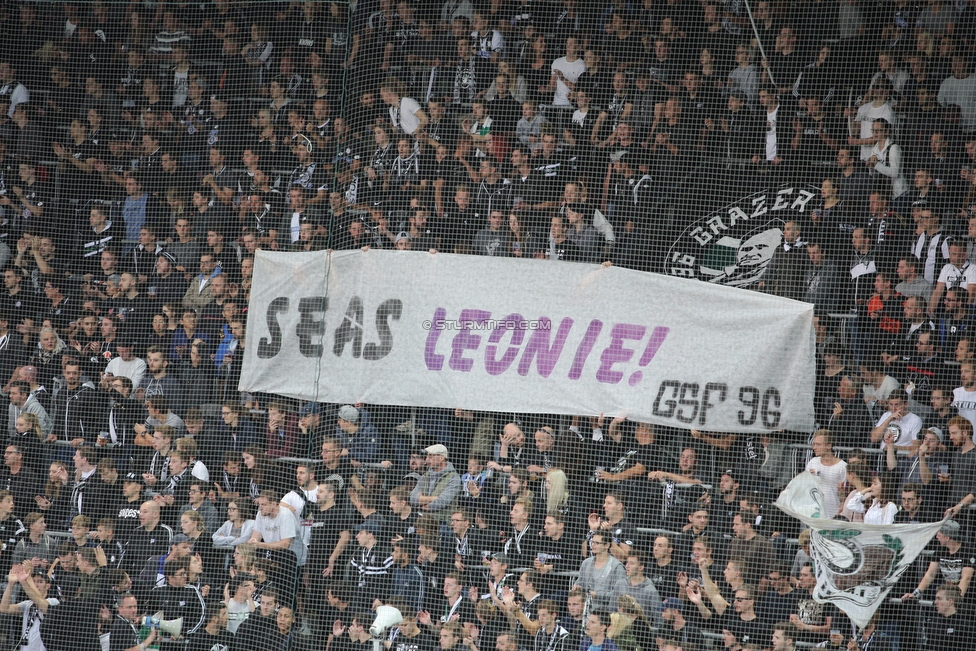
[856, 564]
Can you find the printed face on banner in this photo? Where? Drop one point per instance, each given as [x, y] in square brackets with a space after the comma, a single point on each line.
[734, 245]
[856, 565]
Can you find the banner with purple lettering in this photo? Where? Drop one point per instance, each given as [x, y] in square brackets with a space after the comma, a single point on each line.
[413, 328]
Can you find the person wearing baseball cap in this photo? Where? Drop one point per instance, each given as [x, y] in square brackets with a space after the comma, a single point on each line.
[408, 579]
[127, 509]
[499, 575]
[675, 625]
[955, 554]
[310, 421]
[360, 440]
[437, 491]
[166, 284]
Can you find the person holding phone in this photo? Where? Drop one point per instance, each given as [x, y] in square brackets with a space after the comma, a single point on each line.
[877, 503]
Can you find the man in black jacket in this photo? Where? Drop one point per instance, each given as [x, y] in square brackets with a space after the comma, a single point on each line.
[125, 413]
[259, 625]
[215, 634]
[19, 479]
[88, 494]
[947, 629]
[372, 563]
[176, 599]
[76, 408]
[124, 634]
[850, 419]
[150, 538]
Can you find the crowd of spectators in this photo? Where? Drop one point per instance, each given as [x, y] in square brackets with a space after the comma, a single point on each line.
[148, 150]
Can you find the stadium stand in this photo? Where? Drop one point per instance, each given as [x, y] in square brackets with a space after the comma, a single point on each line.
[149, 149]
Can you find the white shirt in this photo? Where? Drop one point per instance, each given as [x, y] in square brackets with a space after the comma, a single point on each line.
[876, 514]
[571, 71]
[771, 134]
[961, 93]
[31, 625]
[282, 526]
[908, 425]
[965, 402]
[134, 369]
[829, 477]
[866, 115]
[404, 116]
[181, 83]
[952, 276]
[236, 614]
[295, 226]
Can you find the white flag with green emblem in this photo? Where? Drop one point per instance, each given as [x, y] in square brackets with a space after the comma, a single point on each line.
[856, 564]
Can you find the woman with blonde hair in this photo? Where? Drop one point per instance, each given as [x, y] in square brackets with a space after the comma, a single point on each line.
[47, 356]
[925, 44]
[629, 628]
[557, 494]
[244, 556]
[193, 526]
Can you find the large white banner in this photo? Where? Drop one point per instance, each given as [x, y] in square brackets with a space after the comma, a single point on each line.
[856, 564]
[439, 330]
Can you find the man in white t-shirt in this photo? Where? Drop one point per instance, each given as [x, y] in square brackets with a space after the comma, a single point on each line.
[964, 397]
[829, 471]
[301, 498]
[32, 610]
[898, 418]
[405, 112]
[958, 272]
[565, 72]
[276, 529]
[877, 384]
[960, 90]
[875, 107]
[126, 364]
